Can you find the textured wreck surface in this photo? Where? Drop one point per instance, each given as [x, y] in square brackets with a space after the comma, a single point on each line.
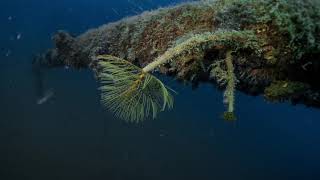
[275, 43]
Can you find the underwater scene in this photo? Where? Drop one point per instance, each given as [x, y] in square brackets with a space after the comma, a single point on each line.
[160, 90]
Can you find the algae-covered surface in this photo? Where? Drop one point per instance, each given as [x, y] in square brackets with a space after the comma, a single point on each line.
[159, 89]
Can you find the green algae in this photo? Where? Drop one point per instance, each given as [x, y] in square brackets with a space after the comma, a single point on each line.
[283, 90]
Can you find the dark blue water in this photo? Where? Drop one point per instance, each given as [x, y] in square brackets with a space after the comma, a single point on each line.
[72, 137]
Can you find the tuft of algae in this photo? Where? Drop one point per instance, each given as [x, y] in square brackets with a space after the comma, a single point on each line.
[130, 92]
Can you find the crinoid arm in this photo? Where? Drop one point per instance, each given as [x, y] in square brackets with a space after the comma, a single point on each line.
[129, 92]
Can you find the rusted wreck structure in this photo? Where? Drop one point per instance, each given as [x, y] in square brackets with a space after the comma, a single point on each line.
[273, 45]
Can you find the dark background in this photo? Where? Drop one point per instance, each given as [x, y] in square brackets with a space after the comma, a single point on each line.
[72, 137]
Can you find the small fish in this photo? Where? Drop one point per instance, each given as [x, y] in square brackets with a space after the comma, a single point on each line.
[19, 35]
[45, 98]
[10, 18]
